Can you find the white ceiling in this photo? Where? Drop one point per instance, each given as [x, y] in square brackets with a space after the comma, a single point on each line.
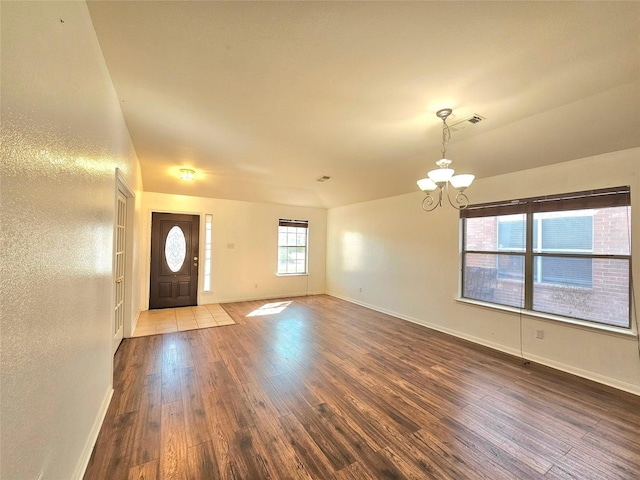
[262, 98]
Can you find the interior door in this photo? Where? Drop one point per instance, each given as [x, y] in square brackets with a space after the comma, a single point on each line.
[118, 267]
[174, 260]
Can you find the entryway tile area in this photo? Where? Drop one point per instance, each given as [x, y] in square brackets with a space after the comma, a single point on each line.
[167, 320]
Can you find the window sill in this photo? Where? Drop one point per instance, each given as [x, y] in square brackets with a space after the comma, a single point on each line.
[609, 329]
[292, 274]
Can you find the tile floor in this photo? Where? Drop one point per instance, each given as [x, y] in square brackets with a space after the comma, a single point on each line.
[166, 320]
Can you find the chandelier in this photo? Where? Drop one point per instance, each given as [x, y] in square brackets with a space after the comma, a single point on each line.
[440, 178]
[187, 174]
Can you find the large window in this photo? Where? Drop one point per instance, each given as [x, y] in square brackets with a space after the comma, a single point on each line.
[292, 246]
[567, 255]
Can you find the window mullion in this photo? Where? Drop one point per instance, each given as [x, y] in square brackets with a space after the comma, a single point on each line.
[528, 263]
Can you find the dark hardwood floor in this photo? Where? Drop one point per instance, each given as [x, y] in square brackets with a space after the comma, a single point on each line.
[325, 389]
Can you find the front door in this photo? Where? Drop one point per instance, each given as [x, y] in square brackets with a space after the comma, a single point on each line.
[174, 260]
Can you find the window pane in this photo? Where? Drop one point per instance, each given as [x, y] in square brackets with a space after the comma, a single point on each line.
[577, 272]
[606, 301]
[505, 232]
[482, 282]
[511, 233]
[612, 231]
[175, 248]
[570, 232]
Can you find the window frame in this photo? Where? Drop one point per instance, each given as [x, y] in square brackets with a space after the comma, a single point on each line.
[299, 224]
[208, 238]
[592, 199]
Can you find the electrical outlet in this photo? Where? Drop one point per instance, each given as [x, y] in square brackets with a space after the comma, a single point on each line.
[540, 334]
[360, 289]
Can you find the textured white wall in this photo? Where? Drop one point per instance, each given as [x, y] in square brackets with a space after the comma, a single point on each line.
[63, 136]
[252, 228]
[407, 263]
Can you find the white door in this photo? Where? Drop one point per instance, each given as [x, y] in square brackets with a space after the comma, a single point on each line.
[119, 262]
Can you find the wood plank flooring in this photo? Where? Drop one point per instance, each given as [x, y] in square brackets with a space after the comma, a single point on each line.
[318, 388]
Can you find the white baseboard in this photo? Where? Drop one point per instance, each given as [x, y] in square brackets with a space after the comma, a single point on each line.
[135, 323]
[81, 466]
[611, 382]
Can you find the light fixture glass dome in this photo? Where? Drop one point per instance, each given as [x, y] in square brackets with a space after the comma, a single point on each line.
[460, 182]
[426, 185]
[441, 175]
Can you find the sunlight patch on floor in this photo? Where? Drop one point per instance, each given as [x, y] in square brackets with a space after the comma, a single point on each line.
[269, 309]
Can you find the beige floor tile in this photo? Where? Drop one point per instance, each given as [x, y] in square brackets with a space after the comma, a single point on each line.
[168, 329]
[143, 332]
[215, 307]
[182, 309]
[206, 322]
[164, 317]
[228, 321]
[152, 322]
[165, 323]
[187, 324]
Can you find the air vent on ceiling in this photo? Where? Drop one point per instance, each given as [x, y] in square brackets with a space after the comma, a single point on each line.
[465, 122]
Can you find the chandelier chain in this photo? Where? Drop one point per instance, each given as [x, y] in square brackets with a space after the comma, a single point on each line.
[446, 137]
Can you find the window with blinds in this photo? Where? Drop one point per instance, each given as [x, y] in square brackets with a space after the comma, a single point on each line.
[566, 255]
[292, 246]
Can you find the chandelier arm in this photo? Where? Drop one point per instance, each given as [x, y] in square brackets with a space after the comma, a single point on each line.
[429, 201]
[462, 201]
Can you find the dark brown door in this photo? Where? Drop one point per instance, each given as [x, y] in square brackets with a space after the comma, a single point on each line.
[174, 260]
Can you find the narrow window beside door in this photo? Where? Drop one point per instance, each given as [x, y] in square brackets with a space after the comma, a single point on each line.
[208, 219]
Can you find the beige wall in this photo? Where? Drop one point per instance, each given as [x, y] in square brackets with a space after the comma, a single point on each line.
[63, 136]
[252, 230]
[392, 242]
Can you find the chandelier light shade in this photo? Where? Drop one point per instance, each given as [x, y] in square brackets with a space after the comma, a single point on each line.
[187, 174]
[439, 179]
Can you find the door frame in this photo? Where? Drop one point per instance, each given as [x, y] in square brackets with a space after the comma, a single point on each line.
[123, 187]
[147, 239]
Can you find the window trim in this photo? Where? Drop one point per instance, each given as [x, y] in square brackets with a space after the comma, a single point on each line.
[585, 324]
[208, 240]
[283, 222]
[590, 199]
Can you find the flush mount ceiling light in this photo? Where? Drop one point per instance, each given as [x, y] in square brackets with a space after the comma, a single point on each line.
[440, 178]
[187, 174]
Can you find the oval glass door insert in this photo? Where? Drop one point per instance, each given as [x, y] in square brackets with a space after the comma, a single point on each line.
[175, 248]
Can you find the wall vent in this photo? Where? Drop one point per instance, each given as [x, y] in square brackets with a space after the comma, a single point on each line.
[465, 122]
